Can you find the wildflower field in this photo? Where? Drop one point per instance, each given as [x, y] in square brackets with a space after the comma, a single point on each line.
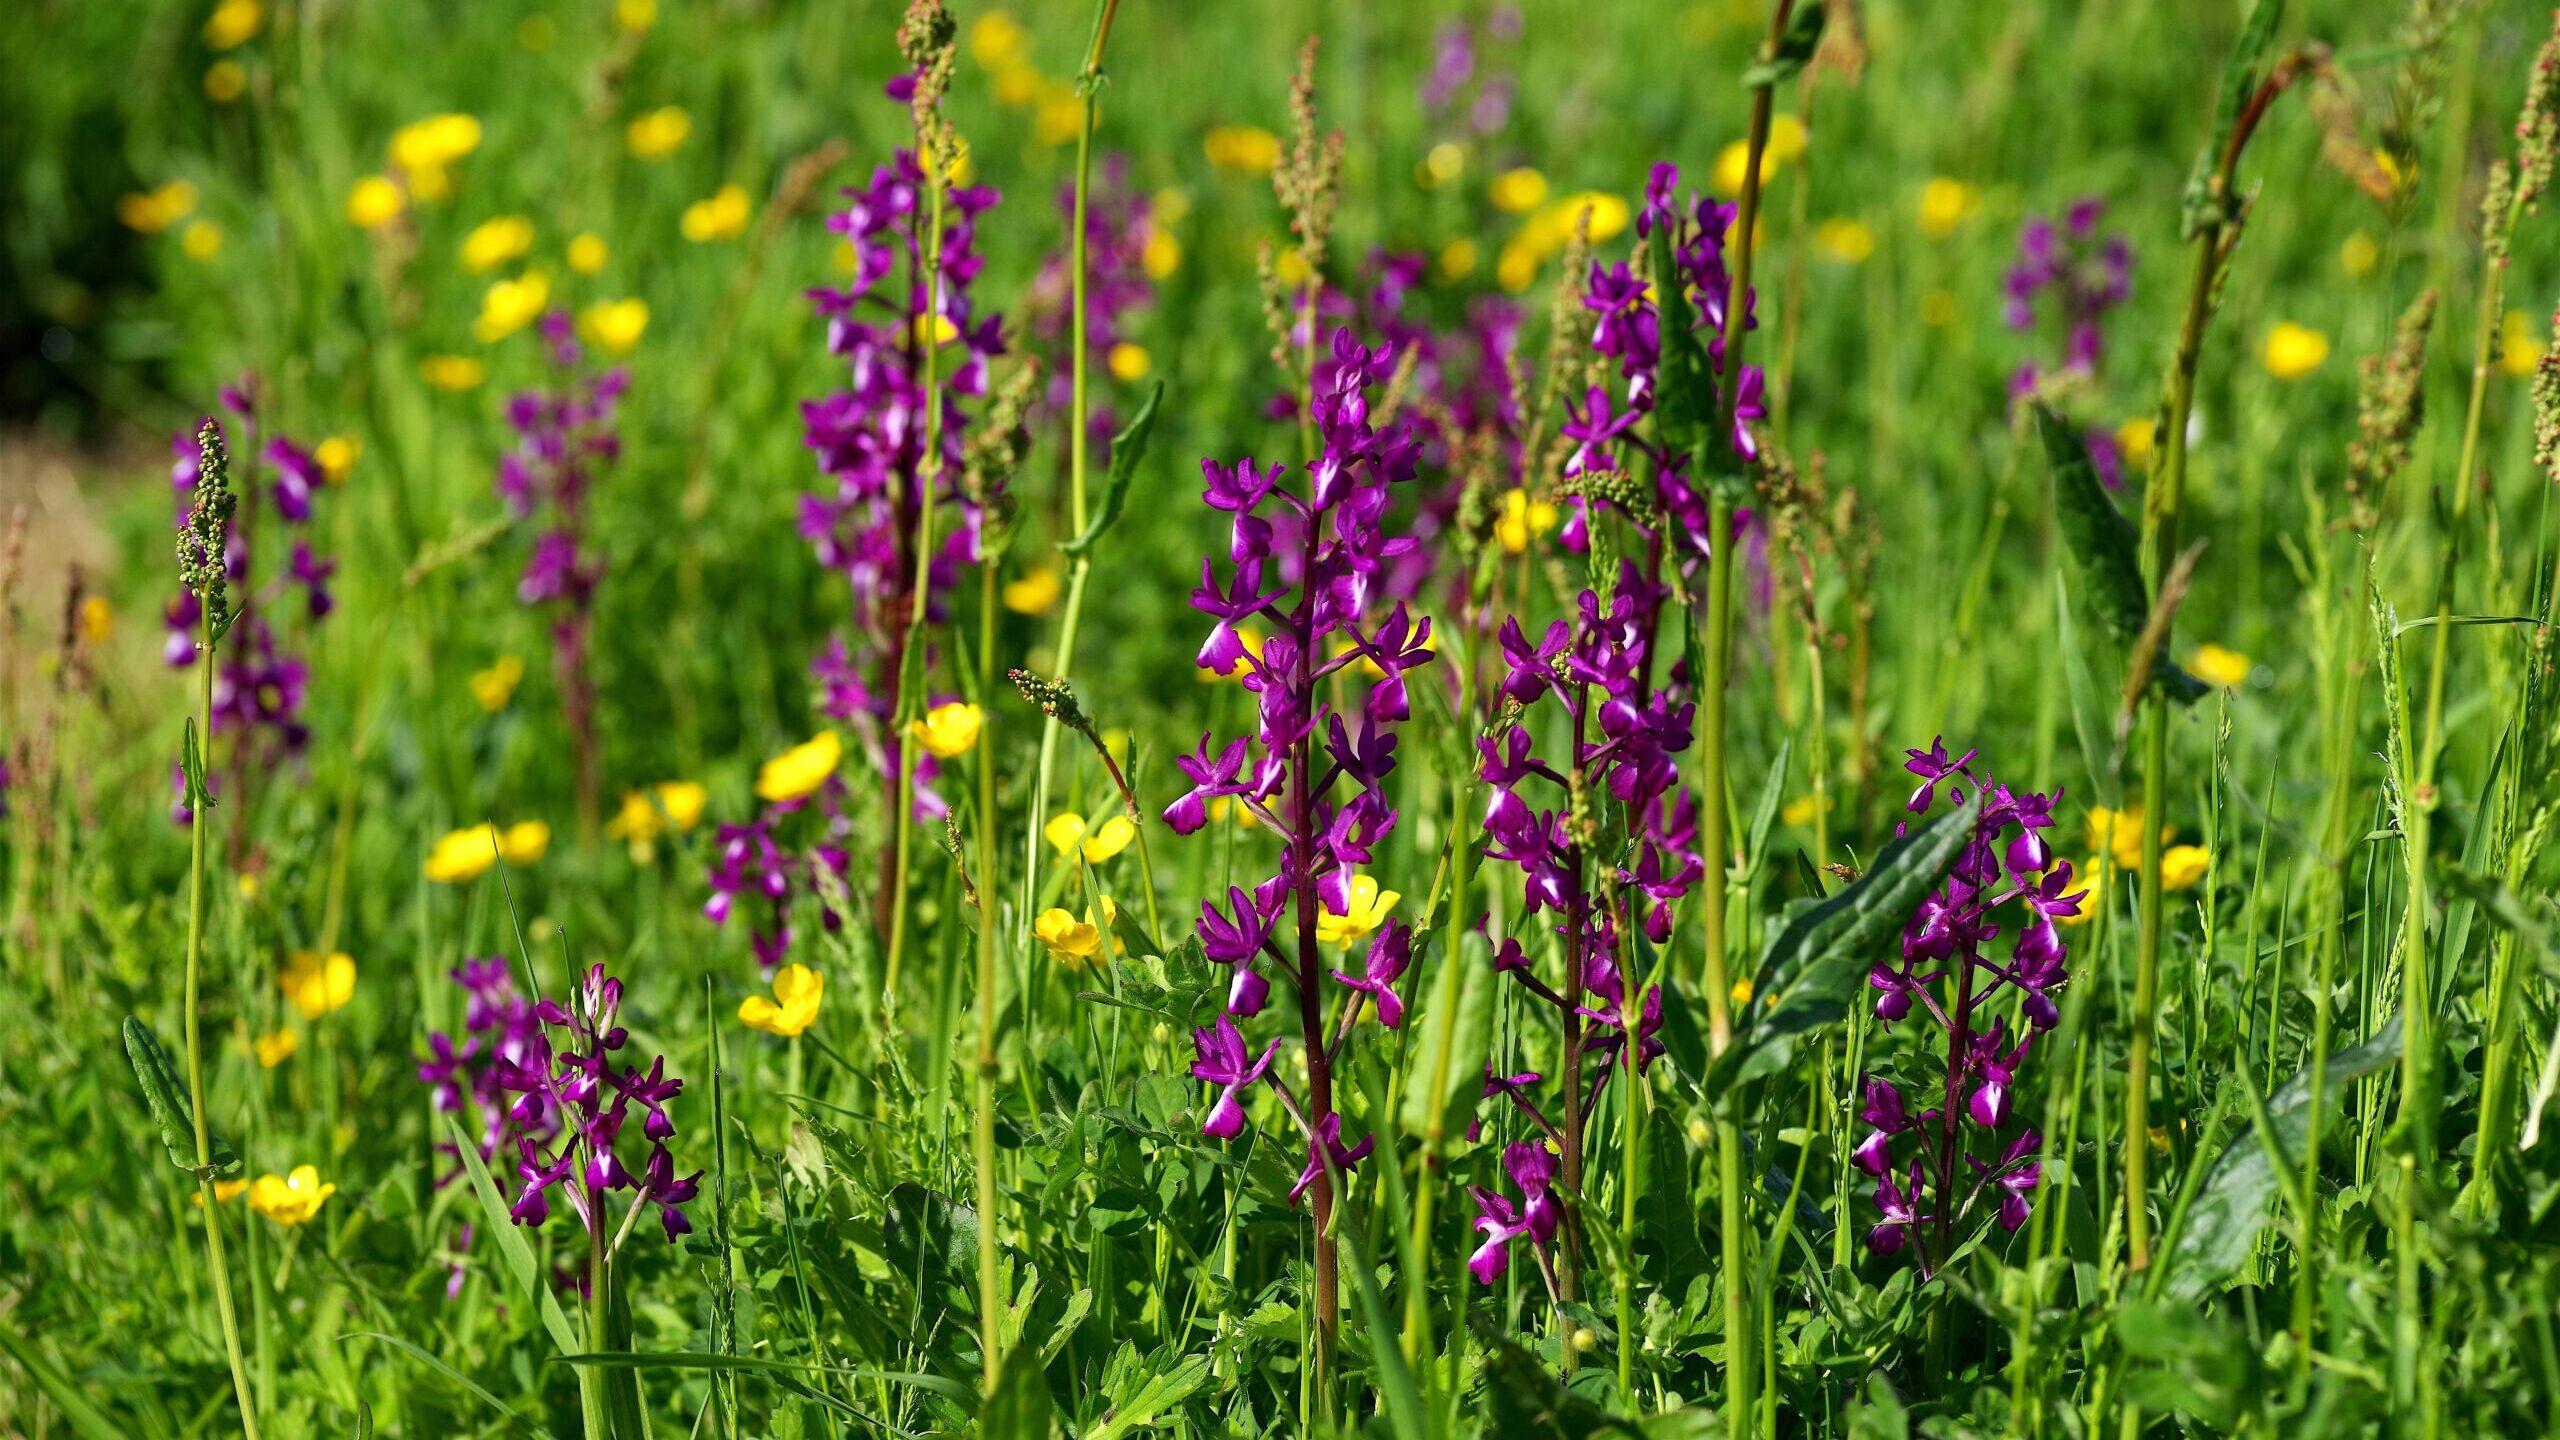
[756, 718]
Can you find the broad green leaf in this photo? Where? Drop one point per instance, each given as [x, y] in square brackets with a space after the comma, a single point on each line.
[166, 1095]
[2240, 1190]
[1145, 1402]
[1796, 45]
[1811, 970]
[2104, 550]
[1454, 1038]
[1127, 449]
[1020, 1408]
[2106, 553]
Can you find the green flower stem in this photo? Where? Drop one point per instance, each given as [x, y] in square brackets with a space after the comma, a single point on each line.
[990, 1283]
[222, 1302]
[920, 573]
[1079, 467]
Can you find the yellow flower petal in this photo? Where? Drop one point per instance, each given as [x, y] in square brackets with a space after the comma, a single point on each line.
[800, 770]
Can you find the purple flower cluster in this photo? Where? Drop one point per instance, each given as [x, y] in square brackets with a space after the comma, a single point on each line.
[869, 437]
[1309, 562]
[752, 862]
[262, 684]
[499, 1028]
[1628, 333]
[589, 1096]
[563, 437]
[2079, 276]
[1457, 86]
[1623, 733]
[2005, 863]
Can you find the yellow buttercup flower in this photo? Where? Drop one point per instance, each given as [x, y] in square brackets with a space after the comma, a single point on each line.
[154, 210]
[318, 985]
[1128, 362]
[1521, 520]
[336, 456]
[374, 202]
[1518, 191]
[290, 1199]
[276, 1047]
[496, 685]
[454, 373]
[224, 1192]
[1800, 811]
[2518, 351]
[201, 240]
[511, 305]
[462, 857]
[1458, 259]
[233, 23]
[2118, 833]
[426, 147]
[2358, 254]
[1788, 139]
[1017, 84]
[467, 854]
[995, 38]
[1242, 149]
[524, 842]
[1733, 165]
[1033, 592]
[97, 619]
[1946, 204]
[936, 330]
[494, 242]
[614, 326]
[722, 217]
[2134, 438]
[2183, 865]
[1072, 942]
[1230, 807]
[2217, 665]
[1848, 241]
[797, 991]
[1516, 266]
[1162, 254]
[225, 81]
[659, 133]
[635, 16]
[647, 814]
[950, 729]
[800, 770]
[1060, 117]
[1291, 266]
[1368, 910]
[2294, 351]
[587, 252]
[1067, 831]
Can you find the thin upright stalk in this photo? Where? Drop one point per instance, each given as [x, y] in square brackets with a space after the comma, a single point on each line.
[198, 824]
[919, 569]
[990, 1283]
[1714, 826]
[1078, 458]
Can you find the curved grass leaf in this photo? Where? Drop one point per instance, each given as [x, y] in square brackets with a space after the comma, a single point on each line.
[1127, 449]
[86, 1419]
[2241, 1188]
[1810, 972]
[460, 1381]
[521, 1264]
[2106, 553]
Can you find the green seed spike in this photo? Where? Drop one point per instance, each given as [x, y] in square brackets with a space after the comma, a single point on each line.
[204, 542]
